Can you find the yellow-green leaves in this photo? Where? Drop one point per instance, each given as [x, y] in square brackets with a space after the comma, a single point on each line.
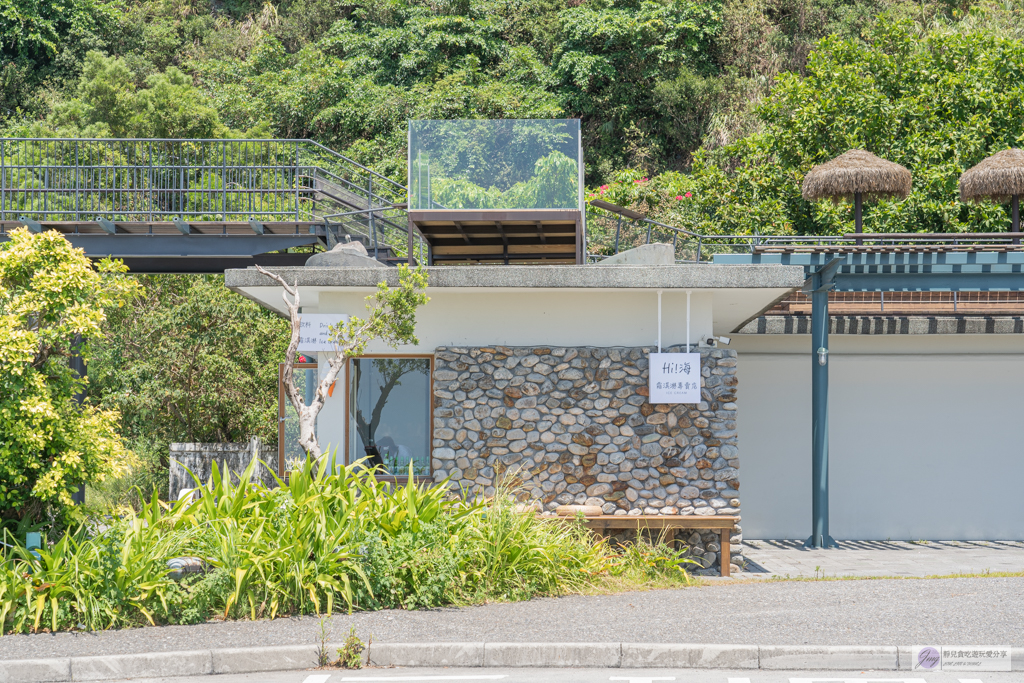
[52, 303]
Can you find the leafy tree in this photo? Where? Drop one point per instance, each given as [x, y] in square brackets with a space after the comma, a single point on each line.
[42, 40]
[937, 101]
[52, 298]
[110, 105]
[188, 360]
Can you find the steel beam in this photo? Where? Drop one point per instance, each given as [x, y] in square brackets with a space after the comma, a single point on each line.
[818, 286]
[926, 272]
[175, 246]
[211, 264]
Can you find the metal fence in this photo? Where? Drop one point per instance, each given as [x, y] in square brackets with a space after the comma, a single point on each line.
[148, 180]
[610, 234]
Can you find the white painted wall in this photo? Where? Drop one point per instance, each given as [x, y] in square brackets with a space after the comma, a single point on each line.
[331, 422]
[924, 437]
[543, 317]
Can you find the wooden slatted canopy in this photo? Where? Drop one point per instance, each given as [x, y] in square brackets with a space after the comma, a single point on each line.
[523, 236]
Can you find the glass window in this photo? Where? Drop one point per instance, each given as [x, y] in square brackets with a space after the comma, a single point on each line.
[389, 414]
[487, 164]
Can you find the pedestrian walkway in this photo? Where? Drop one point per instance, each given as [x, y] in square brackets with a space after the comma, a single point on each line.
[883, 558]
[888, 612]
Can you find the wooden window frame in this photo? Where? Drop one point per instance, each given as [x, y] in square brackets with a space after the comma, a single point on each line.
[428, 478]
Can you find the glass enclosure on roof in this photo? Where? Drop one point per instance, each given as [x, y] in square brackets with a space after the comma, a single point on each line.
[495, 164]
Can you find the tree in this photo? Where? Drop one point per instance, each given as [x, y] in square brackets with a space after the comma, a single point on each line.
[109, 104]
[52, 298]
[188, 360]
[391, 371]
[392, 319]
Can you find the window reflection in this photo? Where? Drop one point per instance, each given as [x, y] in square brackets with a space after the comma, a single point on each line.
[389, 414]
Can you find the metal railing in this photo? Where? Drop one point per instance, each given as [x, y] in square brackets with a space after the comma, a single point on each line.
[149, 180]
[614, 235]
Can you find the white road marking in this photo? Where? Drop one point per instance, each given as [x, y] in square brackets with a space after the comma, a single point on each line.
[317, 678]
[641, 679]
[969, 680]
[857, 680]
[487, 677]
[739, 680]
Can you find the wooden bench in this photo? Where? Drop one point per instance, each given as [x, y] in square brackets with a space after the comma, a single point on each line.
[670, 523]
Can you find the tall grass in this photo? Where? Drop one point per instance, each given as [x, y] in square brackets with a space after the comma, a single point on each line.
[321, 542]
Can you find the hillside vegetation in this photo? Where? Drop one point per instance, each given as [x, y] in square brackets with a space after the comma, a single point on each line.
[707, 114]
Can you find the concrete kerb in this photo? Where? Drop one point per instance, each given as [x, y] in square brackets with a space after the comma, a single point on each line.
[683, 656]
[553, 655]
[147, 665]
[425, 654]
[32, 670]
[510, 655]
[784, 657]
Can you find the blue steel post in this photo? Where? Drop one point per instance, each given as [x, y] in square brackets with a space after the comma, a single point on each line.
[820, 283]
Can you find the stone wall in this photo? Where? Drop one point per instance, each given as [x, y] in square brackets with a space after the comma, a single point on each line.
[573, 425]
[234, 457]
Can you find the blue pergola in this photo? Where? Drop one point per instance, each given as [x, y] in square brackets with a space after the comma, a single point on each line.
[896, 271]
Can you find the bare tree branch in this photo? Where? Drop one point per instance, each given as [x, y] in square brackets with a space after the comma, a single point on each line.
[349, 340]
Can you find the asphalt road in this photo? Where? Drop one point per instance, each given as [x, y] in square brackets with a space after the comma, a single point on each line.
[966, 611]
[591, 676]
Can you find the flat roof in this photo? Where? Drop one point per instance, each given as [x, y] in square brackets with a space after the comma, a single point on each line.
[682, 276]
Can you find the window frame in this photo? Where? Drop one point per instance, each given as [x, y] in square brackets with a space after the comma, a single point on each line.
[430, 414]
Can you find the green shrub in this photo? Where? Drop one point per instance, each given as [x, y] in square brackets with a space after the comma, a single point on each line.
[321, 542]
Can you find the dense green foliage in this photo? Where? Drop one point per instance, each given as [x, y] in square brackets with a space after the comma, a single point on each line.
[319, 544]
[741, 96]
[186, 360]
[649, 78]
[52, 298]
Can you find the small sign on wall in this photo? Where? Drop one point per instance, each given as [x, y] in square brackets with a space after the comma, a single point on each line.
[314, 331]
[674, 378]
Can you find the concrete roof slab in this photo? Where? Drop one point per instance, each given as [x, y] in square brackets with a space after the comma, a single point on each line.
[688, 276]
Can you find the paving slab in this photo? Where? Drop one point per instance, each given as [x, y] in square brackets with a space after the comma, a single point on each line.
[788, 558]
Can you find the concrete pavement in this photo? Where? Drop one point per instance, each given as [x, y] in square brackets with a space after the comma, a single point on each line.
[882, 558]
[883, 612]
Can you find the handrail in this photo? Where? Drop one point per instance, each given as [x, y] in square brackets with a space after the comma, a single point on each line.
[268, 140]
[47, 179]
[699, 245]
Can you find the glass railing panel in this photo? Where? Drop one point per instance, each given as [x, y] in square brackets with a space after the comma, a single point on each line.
[494, 164]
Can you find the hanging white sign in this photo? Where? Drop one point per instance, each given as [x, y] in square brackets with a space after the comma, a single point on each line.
[674, 378]
[314, 331]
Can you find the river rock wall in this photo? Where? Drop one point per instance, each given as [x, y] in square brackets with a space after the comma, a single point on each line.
[573, 425]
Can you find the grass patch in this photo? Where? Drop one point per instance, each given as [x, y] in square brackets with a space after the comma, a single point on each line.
[320, 543]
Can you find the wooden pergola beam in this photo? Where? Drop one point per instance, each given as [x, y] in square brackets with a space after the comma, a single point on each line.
[458, 224]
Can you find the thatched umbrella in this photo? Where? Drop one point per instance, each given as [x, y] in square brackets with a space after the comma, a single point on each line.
[999, 179]
[859, 175]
